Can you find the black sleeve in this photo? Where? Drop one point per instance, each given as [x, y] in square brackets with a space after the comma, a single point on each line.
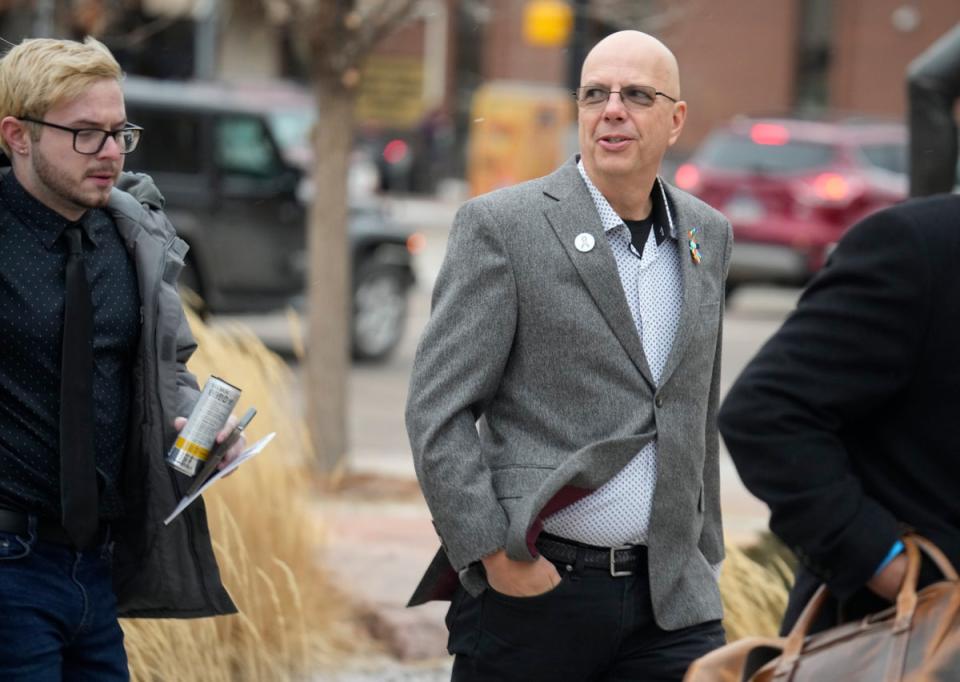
[851, 345]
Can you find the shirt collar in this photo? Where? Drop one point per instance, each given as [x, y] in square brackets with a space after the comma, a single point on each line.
[661, 214]
[46, 223]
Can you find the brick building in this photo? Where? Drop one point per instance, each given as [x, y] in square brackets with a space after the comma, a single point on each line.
[748, 56]
[752, 56]
[736, 56]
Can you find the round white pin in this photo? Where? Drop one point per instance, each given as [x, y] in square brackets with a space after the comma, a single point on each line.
[584, 242]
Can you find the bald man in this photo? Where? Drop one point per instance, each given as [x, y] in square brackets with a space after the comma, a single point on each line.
[563, 403]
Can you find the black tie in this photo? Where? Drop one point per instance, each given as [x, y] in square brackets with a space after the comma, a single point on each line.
[78, 474]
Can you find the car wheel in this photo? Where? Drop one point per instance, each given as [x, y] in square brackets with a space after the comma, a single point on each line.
[379, 310]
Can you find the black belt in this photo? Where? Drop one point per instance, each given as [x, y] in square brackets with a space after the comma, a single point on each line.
[619, 561]
[47, 530]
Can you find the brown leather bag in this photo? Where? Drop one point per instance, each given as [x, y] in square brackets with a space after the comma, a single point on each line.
[906, 640]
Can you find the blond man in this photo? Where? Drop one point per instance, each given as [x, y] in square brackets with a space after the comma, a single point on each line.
[92, 378]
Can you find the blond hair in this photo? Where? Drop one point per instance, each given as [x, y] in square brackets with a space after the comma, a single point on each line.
[40, 73]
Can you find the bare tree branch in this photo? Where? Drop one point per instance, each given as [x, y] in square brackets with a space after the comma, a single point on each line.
[387, 16]
[141, 33]
[336, 36]
[645, 15]
[361, 31]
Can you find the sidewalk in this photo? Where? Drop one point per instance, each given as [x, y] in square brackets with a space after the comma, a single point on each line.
[379, 542]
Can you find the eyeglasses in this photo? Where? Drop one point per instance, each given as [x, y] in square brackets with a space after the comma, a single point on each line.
[91, 140]
[632, 96]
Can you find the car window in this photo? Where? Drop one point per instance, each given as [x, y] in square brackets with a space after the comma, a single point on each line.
[243, 147]
[736, 152]
[891, 157]
[170, 142]
[291, 127]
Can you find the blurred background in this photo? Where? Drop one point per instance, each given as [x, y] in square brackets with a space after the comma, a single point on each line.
[453, 61]
[796, 113]
[313, 154]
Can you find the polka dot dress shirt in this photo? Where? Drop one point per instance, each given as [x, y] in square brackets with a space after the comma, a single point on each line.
[33, 259]
[618, 512]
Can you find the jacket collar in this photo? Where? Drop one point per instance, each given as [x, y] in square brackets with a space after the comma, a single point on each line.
[662, 213]
[573, 212]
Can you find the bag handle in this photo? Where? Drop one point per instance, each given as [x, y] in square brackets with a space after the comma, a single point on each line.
[937, 556]
[906, 600]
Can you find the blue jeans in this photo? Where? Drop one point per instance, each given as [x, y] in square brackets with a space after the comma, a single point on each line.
[58, 613]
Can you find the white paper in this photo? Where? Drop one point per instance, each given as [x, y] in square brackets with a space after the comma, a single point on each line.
[251, 451]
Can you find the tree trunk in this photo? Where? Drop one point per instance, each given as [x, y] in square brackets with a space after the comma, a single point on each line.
[328, 288]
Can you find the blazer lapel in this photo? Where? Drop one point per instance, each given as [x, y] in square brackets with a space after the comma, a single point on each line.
[575, 213]
[691, 274]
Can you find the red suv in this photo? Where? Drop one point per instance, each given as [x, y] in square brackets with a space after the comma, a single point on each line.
[791, 187]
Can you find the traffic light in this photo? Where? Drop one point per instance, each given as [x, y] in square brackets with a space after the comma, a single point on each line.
[547, 23]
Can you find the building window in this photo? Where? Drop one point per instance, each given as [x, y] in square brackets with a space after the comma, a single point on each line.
[815, 33]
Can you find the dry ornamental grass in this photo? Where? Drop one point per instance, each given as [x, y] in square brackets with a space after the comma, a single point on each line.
[266, 538]
[291, 620]
[754, 594]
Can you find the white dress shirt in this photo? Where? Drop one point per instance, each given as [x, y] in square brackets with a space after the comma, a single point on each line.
[618, 513]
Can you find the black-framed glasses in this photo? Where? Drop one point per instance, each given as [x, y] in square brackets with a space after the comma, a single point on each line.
[91, 140]
[632, 96]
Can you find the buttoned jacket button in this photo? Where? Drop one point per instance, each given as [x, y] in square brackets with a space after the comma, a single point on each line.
[658, 401]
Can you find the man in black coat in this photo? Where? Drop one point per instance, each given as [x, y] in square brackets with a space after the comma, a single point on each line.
[845, 422]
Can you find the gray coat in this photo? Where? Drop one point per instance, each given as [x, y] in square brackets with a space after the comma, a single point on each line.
[531, 388]
[159, 571]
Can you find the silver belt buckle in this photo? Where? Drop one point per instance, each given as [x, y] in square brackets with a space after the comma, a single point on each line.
[613, 564]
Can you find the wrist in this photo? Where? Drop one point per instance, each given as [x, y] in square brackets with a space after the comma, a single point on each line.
[894, 552]
[494, 558]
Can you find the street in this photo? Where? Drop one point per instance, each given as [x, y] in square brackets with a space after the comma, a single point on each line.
[379, 536]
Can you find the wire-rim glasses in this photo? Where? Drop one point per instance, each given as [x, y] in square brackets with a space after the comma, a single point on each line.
[632, 96]
[90, 141]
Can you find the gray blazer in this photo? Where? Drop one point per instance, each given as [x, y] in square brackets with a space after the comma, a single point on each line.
[530, 389]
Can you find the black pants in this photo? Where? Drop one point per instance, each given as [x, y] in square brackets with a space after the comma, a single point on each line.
[590, 628]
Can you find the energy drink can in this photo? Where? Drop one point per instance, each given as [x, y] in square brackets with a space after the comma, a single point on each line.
[198, 435]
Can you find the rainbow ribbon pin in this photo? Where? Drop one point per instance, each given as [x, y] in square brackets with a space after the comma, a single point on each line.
[694, 246]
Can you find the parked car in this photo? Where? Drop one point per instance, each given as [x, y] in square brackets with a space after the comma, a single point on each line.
[231, 162]
[791, 188]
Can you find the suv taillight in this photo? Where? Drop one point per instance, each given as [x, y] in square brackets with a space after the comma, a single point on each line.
[769, 134]
[829, 189]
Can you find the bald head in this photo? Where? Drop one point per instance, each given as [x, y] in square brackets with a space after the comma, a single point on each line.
[635, 48]
[623, 137]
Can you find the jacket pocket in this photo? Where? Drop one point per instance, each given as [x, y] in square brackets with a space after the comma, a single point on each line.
[13, 546]
[709, 317]
[519, 481]
[532, 598]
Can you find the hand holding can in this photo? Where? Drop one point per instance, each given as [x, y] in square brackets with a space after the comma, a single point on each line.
[211, 412]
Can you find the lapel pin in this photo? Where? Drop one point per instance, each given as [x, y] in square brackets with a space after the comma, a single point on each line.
[584, 242]
[694, 246]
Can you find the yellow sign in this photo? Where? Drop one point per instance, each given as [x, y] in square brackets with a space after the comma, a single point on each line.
[519, 131]
[547, 23]
[391, 92]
